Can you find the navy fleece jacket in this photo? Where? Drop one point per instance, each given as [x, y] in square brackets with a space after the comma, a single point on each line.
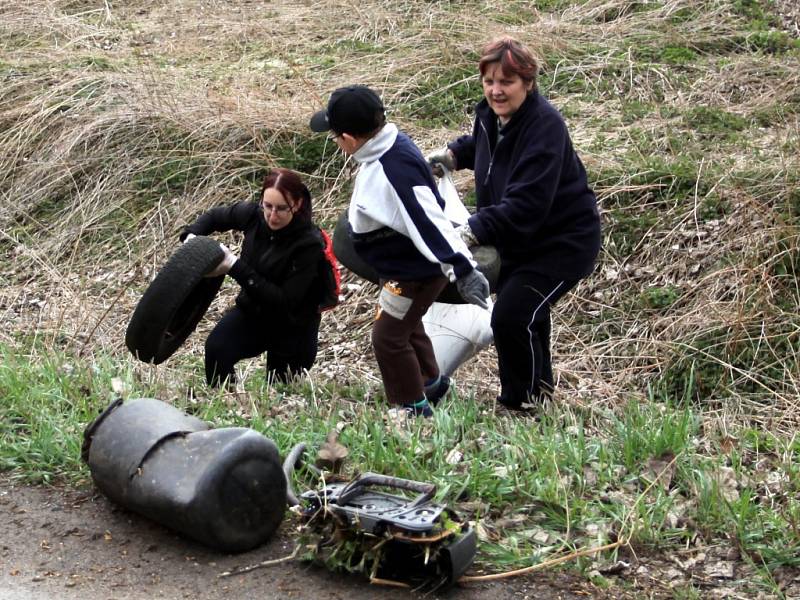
[534, 201]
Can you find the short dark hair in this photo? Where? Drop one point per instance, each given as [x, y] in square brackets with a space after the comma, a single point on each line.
[289, 184]
[513, 57]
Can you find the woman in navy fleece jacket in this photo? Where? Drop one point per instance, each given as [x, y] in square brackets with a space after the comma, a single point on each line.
[534, 205]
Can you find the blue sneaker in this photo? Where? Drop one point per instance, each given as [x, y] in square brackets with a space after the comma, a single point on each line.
[437, 390]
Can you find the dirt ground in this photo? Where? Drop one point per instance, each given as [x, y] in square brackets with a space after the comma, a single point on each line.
[76, 544]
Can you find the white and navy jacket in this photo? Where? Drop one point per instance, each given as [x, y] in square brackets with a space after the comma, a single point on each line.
[396, 213]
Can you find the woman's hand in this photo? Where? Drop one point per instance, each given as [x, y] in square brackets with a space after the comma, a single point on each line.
[441, 158]
[227, 262]
[466, 234]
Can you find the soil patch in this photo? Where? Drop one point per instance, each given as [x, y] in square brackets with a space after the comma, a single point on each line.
[75, 544]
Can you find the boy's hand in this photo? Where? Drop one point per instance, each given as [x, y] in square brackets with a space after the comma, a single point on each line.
[474, 288]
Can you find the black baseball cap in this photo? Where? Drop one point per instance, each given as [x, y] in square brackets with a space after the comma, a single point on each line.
[353, 109]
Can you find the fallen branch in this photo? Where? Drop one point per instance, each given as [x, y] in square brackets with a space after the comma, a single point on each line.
[388, 582]
[544, 565]
[266, 563]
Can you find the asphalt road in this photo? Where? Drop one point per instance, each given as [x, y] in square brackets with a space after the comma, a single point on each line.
[77, 545]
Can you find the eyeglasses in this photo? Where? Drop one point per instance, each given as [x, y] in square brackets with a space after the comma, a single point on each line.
[278, 208]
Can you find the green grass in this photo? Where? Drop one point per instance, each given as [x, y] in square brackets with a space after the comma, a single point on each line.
[304, 153]
[557, 483]
[685, 117]
[45, 406]
[441, 99]
[660, 297]
[671, 54]
[745, 359]
[714, 122]
[755, 13]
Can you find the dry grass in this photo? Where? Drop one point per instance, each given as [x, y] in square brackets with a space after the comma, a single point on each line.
[119, 123]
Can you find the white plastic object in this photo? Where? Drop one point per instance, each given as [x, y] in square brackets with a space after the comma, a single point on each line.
[458, 332]
[454, 209]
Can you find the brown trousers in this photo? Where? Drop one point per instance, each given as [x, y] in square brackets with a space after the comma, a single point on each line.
[402, 348]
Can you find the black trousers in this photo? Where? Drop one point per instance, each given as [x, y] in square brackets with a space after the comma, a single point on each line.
[240, 335]
[521, 328]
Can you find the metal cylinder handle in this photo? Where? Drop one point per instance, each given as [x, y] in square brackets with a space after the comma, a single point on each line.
[352, 489]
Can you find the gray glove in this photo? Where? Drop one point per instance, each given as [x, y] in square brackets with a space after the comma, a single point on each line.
[474, 288]
[441, 158]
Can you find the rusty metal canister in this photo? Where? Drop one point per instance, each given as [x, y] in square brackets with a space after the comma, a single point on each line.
[223, 487]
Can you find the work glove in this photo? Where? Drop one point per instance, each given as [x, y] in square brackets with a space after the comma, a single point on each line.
[227, 262]
[466, 234]
[474, 288]
[441, 158]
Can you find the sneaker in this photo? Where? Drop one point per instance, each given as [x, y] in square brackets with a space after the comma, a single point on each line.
[405, 414]
[418, 411]
[436, 391]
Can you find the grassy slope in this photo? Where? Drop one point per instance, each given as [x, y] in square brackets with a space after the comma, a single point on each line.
[120, 123]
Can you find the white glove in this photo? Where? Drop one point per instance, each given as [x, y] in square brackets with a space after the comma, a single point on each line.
[465, 233]
[227, 262]
[188, 237]
[441, 158]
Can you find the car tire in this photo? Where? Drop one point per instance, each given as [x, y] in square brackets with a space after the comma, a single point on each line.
[175, 301]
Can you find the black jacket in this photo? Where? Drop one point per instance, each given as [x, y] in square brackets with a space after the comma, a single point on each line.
[534, 201]
[279, 271]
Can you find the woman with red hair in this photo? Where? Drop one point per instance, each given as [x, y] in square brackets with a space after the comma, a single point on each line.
[534, 204]
[282, 279]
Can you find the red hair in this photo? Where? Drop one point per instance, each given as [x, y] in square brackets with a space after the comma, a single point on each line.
[292, 188]
[513, 58]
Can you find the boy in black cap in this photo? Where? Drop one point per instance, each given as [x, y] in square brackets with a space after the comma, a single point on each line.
[398, 226]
